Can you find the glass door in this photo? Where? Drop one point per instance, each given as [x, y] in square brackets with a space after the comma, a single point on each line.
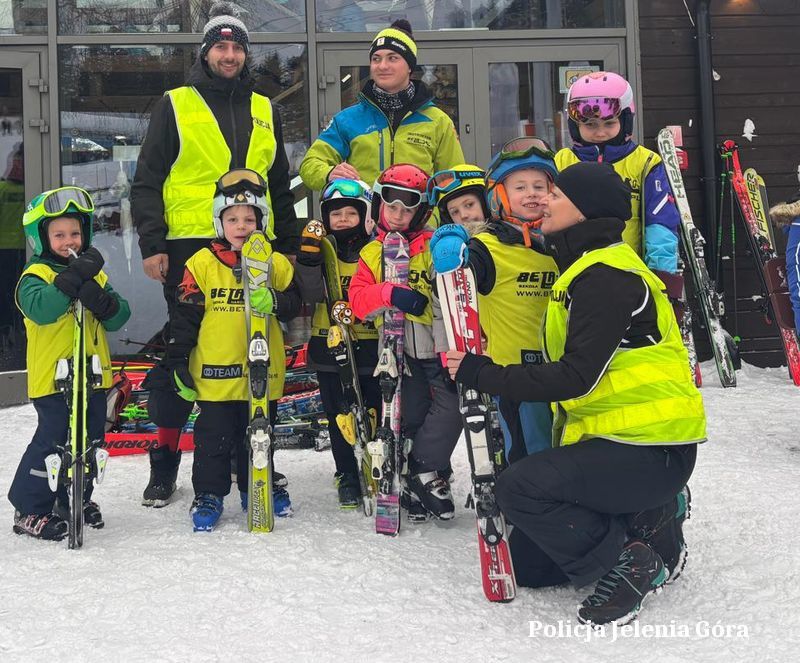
[520, 90]
[21, 128]
[446, 73]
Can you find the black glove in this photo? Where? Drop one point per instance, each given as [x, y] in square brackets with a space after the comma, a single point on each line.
[97, 300]
[408, 300]
[83, 268]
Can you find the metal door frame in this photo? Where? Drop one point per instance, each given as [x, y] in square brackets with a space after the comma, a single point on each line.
[610, 51]
[35, 123]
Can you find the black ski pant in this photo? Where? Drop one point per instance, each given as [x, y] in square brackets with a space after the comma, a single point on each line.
[570, 505]
[334, 402]
[220, 428]
[30, 492]
[430, 415]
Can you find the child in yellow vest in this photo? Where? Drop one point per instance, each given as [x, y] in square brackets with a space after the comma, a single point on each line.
[430, 416]
[207, 350]
[601, 111]
[345, 206]
[512, 271]
[58, 226]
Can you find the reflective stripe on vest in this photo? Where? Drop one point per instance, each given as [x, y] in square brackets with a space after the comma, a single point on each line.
[204, 156]
[633, 169]
[646, 395]
[49, 343]
[511, 315]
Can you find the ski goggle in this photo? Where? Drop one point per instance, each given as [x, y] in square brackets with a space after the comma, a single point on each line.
[602, 108]
[58, 201]
[345, 188]
[522, 147]
[241, 178]
[446, 181]
[408, 198]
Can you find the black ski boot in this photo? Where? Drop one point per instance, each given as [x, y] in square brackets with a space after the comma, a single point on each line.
[415, 510]
[164, 466]
[92, 516]
[619, 594]
[434, 493]
[662, 529]
[349, 489]
[46, 526]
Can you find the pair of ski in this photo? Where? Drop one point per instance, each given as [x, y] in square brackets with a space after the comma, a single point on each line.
[710, 302]
[81, 460]
[751, 197]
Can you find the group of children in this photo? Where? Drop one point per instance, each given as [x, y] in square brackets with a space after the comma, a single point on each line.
[488, 221]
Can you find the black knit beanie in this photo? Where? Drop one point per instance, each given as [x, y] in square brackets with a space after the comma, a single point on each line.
[398, 38]
[224, 25]
[596, 190]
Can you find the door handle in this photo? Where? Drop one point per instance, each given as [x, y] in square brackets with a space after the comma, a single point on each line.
[467, 128]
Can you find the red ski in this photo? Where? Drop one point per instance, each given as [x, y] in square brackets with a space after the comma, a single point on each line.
[749, 195]
[458, 296]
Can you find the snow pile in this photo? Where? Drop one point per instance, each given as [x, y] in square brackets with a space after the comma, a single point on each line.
[146, 588]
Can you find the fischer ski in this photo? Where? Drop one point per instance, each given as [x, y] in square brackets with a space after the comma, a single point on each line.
[386, 449]
[458, 298]
[712, 307]
[256, 273]
[356, 425]
[771, 268]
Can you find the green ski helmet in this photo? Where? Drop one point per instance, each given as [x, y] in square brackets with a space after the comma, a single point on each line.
[52, 204]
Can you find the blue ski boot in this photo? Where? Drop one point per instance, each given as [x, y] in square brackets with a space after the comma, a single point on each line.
[206, 510]
[281, 504]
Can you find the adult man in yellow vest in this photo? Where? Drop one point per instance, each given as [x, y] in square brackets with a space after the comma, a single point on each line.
[197, 132]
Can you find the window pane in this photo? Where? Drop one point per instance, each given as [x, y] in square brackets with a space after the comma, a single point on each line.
[527, 98]
[372, 15]
[441, 80]
[106, 96]
[90, 16]
[23, 17]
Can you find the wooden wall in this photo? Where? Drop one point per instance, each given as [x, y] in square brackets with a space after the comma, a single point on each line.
[756, 55]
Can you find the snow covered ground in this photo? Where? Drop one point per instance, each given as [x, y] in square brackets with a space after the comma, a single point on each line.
[322, 584]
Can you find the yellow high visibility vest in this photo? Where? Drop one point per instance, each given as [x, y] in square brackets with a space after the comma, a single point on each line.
[646, 395]
[204, 157]
[633, 169]
[512, 313]
[49, 343]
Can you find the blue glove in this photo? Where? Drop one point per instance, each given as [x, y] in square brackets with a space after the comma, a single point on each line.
[449, 248]
[408, 300]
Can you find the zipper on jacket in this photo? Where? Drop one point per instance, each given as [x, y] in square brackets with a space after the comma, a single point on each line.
[235, 162]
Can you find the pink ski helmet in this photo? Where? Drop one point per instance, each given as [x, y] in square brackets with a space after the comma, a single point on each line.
[603, 95]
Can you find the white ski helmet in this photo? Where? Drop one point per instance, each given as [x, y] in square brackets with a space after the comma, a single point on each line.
[241, 186]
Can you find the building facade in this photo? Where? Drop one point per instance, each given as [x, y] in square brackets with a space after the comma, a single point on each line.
[78, 79]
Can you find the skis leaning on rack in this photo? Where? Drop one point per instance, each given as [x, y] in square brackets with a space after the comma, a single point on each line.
[356, 424]
[710, 303]
[257, 273]
[458, 298]
[386, 449]
[82, 460]
[751, 198]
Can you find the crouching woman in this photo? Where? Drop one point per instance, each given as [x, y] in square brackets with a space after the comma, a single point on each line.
[606, 504]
